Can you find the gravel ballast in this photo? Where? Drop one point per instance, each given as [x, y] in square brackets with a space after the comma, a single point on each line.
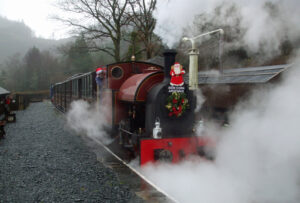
[41, 161]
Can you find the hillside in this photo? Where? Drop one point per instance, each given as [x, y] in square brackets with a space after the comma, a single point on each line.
[16, 37]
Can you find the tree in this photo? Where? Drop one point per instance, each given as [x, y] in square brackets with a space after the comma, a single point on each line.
[107, 18]
[3, 76]
[228, 17]
[53, 68]
[77, 55]
[33, 69]
[142, 18]
[134, 48]
[15, 73]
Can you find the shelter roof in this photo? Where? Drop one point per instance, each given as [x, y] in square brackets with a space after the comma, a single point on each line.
[3, 91]
[261, 74]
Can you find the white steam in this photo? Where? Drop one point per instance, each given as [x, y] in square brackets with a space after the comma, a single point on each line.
[172, 16]
[257, 156]
[200, 99]
[88, 119]
[269, 27]
[266, 26]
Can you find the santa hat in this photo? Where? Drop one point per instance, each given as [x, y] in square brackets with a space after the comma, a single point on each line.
[100, 70]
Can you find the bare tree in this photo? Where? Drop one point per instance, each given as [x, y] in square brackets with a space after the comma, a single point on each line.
[142, 17]
[98, 20]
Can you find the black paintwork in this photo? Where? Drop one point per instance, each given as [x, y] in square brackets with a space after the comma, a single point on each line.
[156, 101]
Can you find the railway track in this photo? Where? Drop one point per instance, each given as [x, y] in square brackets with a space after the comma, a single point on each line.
[137, 182]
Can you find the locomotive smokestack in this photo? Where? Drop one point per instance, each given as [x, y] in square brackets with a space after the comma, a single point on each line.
[169, 55]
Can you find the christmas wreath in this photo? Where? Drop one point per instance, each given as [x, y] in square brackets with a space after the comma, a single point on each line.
[177, 104]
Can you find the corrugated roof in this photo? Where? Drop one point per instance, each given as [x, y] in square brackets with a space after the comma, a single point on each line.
[260, 74]
[3, 91]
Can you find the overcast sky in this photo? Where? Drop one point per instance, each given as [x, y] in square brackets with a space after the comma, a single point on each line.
[35, 14]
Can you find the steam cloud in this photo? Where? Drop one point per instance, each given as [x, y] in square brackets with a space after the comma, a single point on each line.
[257, 157]
[265, 28]
[87, 119]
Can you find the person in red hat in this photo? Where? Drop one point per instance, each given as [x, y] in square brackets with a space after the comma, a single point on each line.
[176, 73]
[100, 75]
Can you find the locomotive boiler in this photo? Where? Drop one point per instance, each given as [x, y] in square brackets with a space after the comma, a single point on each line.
[149, 109]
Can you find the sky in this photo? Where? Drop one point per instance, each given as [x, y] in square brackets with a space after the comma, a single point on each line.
[35, 14]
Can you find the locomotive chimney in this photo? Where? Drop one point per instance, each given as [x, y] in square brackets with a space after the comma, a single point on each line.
[169, 55]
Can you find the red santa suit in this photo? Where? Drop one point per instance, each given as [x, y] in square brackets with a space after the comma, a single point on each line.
[177, 75]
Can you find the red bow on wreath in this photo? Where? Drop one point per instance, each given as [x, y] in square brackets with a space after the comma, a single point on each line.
[175, 111]
[177, 104]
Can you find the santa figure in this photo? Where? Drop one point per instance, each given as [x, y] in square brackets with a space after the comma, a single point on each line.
[177, 75]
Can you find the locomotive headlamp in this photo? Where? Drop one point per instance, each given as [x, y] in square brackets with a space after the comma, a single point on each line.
[157, 134]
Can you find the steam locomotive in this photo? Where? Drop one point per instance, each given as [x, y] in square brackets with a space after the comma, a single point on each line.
[149, 114]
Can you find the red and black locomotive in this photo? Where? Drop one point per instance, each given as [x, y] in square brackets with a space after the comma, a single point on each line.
[151, 110]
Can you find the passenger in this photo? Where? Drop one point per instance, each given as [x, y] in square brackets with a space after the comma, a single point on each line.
[2, 118]
[51, 93]
[7, 104]
[100, 76]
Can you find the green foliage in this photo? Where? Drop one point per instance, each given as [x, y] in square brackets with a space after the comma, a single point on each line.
[177, 104]
[36, 71]
[79, 57]
[101, 58]
[134, 48]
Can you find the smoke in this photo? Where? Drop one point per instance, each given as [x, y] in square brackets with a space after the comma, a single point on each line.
[88, 119]
[200, 99]
[263, 25]
[173, 16]
[257, 157]
[269, 23]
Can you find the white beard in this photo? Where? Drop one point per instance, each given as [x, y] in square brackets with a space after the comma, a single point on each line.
[177, 70]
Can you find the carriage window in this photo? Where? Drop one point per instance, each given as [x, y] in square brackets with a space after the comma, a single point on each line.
[74, 88]
[83, 87]
[117, 72]
[90, 85]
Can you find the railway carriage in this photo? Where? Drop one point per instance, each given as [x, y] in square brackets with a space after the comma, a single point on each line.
[79, 86]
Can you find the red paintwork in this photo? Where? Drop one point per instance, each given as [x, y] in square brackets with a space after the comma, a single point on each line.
[129, 69]
[106, 102]
[115, 83]
[187, 144]
[137, 86]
